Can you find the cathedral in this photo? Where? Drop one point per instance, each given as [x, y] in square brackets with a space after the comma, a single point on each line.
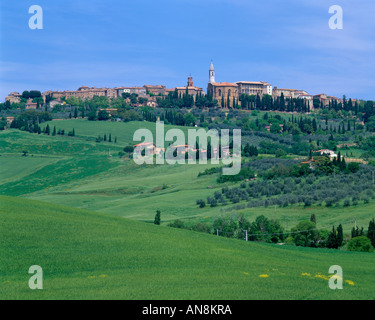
[228, 94]
[225, 93]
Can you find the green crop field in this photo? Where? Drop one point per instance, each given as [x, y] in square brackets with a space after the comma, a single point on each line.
[88, 255]
[76, 208]
[92, 129]
[78, 172]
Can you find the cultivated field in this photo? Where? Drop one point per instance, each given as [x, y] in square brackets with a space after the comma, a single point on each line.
[77, 232]
[88, 255]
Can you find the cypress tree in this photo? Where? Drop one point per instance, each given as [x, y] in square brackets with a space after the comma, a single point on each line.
[340, 236]
[157, 220]
[343, 164]
[313, 218]
[371, 232]
[332, 239]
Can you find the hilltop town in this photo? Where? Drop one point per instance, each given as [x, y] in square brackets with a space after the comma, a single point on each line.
[223, 94]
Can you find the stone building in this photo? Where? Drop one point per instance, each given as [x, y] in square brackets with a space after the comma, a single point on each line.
[140, 91]
[31, 105]
[211, 73]
[222, 91]
[85, 92]
[288, 93]
[190, 89]
[13, 97]
[254, 88]
[325, 100]
[155, 90]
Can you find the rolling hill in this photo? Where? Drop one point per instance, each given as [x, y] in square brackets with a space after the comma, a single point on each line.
[90, 255]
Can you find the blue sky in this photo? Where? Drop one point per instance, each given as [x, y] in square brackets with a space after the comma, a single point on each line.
[135, 42]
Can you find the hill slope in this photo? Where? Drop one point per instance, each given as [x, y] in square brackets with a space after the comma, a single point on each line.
[87, 255]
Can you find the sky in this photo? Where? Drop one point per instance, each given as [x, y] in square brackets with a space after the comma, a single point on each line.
[112, 43]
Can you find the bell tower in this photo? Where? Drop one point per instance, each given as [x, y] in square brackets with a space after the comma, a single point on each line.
[212, 73]
[190, 81]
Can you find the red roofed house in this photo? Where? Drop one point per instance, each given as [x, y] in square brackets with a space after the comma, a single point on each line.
[30, 105]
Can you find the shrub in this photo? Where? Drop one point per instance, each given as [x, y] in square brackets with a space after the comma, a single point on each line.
[177, 224]
[201, 203]
[362, 244]
[200, 227]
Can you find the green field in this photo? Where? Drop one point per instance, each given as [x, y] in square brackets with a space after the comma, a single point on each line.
[88, 255]
[63, 207]
[92, 129]
[78, 172]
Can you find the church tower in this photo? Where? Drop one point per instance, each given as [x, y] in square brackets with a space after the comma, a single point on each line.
[212, 73]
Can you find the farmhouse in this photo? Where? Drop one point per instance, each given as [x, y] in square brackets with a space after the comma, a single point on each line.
[10, 120]
[327, 152]
[149, 147]
[30, 105]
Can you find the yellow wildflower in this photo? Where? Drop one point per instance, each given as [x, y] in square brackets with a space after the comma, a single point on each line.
[320, 276]
[349, 282]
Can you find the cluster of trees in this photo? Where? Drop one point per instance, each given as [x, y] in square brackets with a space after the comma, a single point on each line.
[30, 120]
[31, 94]
[245, 173]
[361, 241]
[365, 108]
[268, 103]
[300, 125]
[369, 146]
[134, 99]
[285, 185]
[186, 100]
[306, 234]
[311, 237]
[149, 115]
[173, 117]
[324, 165]
[174, 99]
[295, 147]
[235, 226]
[105, 139]
[47, 130]
[262, 229]
[250, 151]
[206, 101]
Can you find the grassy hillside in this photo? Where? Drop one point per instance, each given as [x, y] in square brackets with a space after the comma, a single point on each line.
[78, 171]
[87, 255]
[92, 129]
